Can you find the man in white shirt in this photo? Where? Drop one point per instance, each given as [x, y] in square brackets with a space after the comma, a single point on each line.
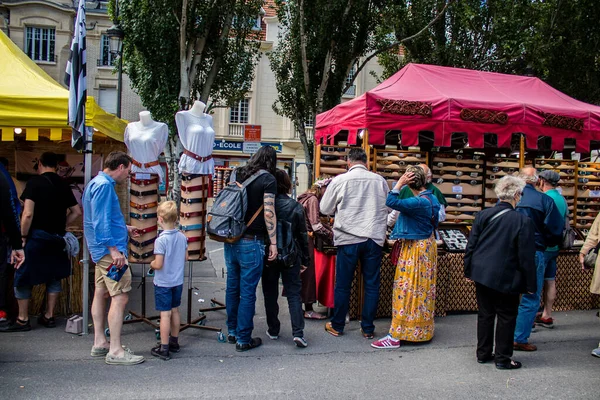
[357, 198]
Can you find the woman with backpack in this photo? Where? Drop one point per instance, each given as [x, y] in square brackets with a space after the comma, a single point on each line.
[292, 252]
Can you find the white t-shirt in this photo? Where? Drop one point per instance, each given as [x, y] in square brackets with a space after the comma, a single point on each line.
[145, 143]
[198, 136]
[172, 244]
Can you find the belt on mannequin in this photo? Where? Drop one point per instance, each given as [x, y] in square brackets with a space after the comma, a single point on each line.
[192, 176]
[143, 206]
[149, 229]
[190, 189]
[196, 156]
[192, 214]
[144, 165]
[140, 256]
[142, 244]
[192, 201]
[194, 227]
[195, 239]
[142, 194]
[143, 182]
[142, 216]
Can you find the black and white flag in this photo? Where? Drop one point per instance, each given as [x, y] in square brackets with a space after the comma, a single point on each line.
[76, 81]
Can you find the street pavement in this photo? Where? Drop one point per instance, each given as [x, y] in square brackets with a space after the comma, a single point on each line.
[51, 364]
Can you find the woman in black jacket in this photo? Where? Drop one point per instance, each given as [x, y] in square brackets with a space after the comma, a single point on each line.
[500, 260]
[290, 224]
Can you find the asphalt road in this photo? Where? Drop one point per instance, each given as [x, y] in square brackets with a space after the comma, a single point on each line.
[50, 364]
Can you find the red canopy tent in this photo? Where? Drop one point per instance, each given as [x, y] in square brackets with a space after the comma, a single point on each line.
[446, 100]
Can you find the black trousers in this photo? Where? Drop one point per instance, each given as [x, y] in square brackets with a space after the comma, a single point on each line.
[501, 306]
[4, 270]
[293, 286]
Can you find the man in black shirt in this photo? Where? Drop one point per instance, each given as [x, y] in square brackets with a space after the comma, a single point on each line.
[49, 206]
[245, 258]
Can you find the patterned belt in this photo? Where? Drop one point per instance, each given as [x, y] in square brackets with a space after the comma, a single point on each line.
[194, 227]
[142, 244]
[192, 201]
[142, 216]
[192, 214]
[195, 239]
[144, 182]
[141, 256]
[144, 165]
[149, 229]
[190, 189]
[196, 156]
[142, 194]
[192, 176]
[143, 206]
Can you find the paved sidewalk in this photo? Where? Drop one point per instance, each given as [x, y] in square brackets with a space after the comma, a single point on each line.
[50, 364]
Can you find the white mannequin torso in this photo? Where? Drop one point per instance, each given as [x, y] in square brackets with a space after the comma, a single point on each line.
[197, 135]
[145, 140]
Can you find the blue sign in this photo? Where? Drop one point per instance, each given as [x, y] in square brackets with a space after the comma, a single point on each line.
[229, 145]
[277, 146]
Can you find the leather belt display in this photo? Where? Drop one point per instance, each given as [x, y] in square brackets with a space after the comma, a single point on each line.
[195, 239]
[144, 165]
[190, 189]
[143, 206]
[142, 244]
[142, 194]
[192, 214]
[149, 229]
[142, 216]
[140, 256]
[191, 201]
[191, 176]
[196, 156]
[144, 182]
[194, 227]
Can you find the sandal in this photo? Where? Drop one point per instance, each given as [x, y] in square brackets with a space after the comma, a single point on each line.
[313, 315]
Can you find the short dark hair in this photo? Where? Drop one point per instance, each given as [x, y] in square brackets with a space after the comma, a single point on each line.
[4, 161]
[284, 183]
[116, 158]
[49, 159]
[357, 154]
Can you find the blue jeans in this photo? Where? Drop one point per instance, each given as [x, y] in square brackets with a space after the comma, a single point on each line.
[369, 254]
[530, 302]
[244, 260]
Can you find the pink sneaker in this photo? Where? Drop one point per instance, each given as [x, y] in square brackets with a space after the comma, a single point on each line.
[386, 343]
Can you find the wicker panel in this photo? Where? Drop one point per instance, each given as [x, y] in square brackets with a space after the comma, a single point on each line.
[573, 285]
[458, 294]
[388, 271]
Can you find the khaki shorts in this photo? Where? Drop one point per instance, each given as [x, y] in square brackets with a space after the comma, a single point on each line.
[102, 281]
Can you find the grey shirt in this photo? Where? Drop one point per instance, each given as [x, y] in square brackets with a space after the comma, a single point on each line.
[172, 244]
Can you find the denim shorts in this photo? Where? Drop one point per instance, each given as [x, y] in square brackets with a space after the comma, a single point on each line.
[550, 259]
[166, 298]
[24, 292]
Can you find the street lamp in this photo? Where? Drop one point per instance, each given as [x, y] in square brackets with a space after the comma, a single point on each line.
[115, 36]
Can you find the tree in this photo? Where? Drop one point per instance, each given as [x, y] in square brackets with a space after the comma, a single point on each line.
[178, 51]
[320, 42]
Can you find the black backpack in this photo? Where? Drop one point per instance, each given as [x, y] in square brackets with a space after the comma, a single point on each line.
[287, 251]
[225, 222]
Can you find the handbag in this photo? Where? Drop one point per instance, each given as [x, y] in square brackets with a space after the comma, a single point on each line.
[395, 254]
[568, 238]
[74, 325]
[589, 260]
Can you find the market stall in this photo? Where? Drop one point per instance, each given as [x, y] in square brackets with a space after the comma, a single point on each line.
[471, 128]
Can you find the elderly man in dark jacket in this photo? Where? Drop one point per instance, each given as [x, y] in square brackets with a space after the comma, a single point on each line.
[500, 260]
[549, 225]
[290, 225]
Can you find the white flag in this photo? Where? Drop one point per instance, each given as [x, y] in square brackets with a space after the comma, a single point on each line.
[75, 79]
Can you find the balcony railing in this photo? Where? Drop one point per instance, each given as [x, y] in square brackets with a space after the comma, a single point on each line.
[308, 131]
[106, 63]
[236, 130]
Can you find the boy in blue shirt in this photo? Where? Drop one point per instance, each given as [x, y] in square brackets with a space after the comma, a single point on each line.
[170, 252]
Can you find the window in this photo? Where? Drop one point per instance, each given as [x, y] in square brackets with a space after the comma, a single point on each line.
[308, 122]
[352, 89]
[238, 114]
[40, 44]
[107, 99]
[107, 58]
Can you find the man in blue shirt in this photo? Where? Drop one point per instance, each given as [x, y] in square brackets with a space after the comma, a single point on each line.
[107, 236]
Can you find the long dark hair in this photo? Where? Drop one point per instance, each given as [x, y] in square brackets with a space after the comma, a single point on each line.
[265, 158]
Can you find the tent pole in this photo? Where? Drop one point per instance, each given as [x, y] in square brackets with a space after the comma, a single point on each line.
[522, 152]
[87, 162]
[366, 147]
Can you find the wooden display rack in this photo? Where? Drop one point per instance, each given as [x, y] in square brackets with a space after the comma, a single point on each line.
[587, 194]
[391, 164]
[567, 169]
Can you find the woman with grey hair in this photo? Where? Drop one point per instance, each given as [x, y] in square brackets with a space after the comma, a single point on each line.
[499, 258]
[413, 301]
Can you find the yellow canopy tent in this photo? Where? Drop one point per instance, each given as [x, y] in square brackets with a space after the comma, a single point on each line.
[31, 99]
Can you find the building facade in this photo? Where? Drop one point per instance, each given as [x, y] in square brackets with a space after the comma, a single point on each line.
[44, 29]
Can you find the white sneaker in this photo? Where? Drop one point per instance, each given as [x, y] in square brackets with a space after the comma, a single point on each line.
[300, 341]
[596, 352]
[272, 337]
